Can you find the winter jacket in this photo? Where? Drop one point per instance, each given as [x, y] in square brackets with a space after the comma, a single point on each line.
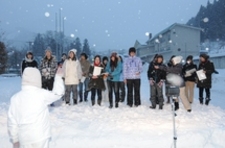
[132, 68]
[156, 74]
[208, 67]
[72, 72]
[48, 67]
[187, 67]
[176, 69]
[28, 114]
[115, 74]
[85, 66]
[28, 63]
[96, 83]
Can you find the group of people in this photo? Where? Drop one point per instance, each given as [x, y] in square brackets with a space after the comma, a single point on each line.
[28, 123]
[116, 73]
[186, 74]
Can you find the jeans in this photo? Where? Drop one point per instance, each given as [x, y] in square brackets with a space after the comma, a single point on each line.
[207, 91]
[156, 93]
[133, 85]
[113, 87]
[69, 89]
[122, 91]
[85, 84]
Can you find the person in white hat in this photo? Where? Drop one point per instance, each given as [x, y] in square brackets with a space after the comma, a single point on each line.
[72, 74]
[28, 115]
[176, 71]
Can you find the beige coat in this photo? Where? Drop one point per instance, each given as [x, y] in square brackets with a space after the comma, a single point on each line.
[72, 72]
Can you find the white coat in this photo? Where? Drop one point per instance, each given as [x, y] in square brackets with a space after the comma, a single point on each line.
[72, 72]
[28, 115]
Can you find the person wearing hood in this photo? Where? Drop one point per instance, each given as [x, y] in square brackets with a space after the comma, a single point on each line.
[132, 69]
[29, 61]
[189, 73]
[113, 69]
[176, 69]
[72, 75]
[48, 69]
[96, 83]
[85, 66]
[28, 115]
[208, 68]
[156, 78]
[105, 93]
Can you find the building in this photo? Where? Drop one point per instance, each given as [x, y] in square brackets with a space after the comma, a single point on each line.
[177, 39]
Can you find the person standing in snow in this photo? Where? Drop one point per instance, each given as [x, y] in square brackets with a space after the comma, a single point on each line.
[72, 75]
[156, 78]
[28, 115]
[177, 69]
[63, 57]
[132, 69]
[189, 77]
[85, 66]
[29, 61]
[206, 84]
[122, 92]
[105, 93]
[113, 69]
[48, 69]
[96, 83]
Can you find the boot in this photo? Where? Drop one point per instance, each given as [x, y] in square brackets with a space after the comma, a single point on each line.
[176, 104]
[117, 105]
[110, 105]
[152, 107]
[81, 97]
[160, 107]
[207, 101]
[75, 101]
[99, 102]
[201, 100]
[92, 102]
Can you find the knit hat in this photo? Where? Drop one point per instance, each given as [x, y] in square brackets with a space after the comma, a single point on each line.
[177, 59]
[48, 49]
[31, 77]
[74, 51]
[114, 54]
[132, 49]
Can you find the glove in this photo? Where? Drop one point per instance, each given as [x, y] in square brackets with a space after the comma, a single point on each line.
[152, 82]
[160, 84]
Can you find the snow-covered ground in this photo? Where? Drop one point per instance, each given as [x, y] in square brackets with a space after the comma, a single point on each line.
[83, 126]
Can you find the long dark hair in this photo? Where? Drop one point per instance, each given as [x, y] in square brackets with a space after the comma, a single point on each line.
[74, 56]
[113, 64]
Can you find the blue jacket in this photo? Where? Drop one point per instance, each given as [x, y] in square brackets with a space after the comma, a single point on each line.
[115, 75]
[132, 68]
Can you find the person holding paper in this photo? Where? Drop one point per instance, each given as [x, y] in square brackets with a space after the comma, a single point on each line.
[85, 65]
[113, 69]
[176, 69]
[205, 84]
[132, 69]
[189, 73]
[72, 75]
[96, 83]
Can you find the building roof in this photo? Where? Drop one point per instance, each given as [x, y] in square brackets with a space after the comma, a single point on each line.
[170, 28]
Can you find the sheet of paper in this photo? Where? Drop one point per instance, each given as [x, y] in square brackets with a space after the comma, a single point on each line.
[201, 75]
[190, 72]
[97, 71]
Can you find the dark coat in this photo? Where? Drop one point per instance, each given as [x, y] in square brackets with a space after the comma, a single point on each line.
[187, 67]
[28, 63]
[156, 74]
[176, 69]
[208, 67]
[96, 83]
